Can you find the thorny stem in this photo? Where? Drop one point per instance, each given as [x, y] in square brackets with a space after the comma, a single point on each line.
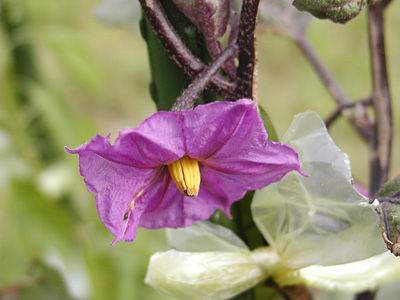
[247, 55]
[187, 99]
[182, 56]
[380, 146]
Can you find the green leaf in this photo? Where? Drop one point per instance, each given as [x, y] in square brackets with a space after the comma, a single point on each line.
[167, 79]
[339, 11]
[75, 58]
[389, 188]
[272, 136]
[64, 127]
[320, 219]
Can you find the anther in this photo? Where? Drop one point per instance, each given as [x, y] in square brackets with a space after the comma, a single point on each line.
[186, 174]
[132, 204]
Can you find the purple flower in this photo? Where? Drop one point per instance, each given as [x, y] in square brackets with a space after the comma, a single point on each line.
[214, 153]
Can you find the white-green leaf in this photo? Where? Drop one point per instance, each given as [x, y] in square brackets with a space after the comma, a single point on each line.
[209, 275]
[322, 219]
[352, 277]
[204, 236]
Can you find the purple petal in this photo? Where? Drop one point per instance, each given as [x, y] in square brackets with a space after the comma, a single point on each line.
[208, 127]
[165, 205]
[103, 165]
[124, 152]
[235, 142]
[113, 206]
[159, 138]
[159, 197]
[169, 208]
[108, 170]
[257, 167]
[219, 190]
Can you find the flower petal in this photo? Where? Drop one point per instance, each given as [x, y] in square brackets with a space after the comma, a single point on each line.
[170, 208]
[258, 167]
[123, 152]
[208, 127]
[108, 171]
[113, 206]
[165, 205]
[220, 188]
[159, 137]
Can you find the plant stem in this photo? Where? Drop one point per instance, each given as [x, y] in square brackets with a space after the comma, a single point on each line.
[323, 72]
[182, 56]
[247, 55]
[359, 120]
[369, 295]
[187, 99]
[338, 112]
[380, 145]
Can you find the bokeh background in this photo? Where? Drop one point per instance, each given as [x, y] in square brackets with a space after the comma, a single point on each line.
[66, 76]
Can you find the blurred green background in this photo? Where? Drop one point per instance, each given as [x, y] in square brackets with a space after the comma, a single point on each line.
[65, 76]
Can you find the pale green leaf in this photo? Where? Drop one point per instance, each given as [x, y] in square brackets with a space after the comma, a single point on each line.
[320, 219]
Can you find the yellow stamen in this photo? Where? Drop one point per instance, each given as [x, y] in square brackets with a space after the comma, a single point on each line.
[132, 205]
[186, 174]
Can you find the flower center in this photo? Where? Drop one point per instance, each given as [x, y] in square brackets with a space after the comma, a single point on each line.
[186, 174]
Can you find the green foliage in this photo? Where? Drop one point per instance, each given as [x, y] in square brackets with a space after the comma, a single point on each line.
[389, 188]
[81, 78]
[272, 136]
[337, 11]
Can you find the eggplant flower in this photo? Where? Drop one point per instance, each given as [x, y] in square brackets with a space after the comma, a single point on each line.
[177, 168]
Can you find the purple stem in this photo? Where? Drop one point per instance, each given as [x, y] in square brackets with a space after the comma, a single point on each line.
[247, 55]
[380, 146]
[360, 122]
[187, 99]
[182, 56]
